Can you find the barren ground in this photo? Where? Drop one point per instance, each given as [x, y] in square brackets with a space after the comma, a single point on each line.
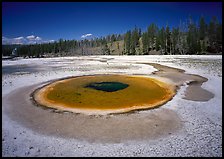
[188, 125]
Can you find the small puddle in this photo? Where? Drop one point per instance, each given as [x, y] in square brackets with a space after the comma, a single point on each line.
[194, 91]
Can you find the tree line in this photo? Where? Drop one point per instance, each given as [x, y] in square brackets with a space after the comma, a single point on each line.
[187, 38]
[61, 46]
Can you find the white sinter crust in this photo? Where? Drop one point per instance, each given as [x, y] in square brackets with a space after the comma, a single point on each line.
[178, 128]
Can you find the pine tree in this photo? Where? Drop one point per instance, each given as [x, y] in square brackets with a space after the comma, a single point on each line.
[139, 32]
[203, 47]
[182, 39]
[174, 39]
[168, 41]
[192, 38]
[202, 28]
[106, 50]
[145, 43]
[158, 43]
[113, 38]
[219, 37]
[152, 32]
[162, 39]
[212, 31]
[134, 41]
[127, 42]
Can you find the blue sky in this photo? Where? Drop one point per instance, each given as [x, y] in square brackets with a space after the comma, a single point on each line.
[70, 20]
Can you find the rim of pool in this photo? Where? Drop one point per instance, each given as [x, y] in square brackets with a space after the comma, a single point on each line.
[104, 94]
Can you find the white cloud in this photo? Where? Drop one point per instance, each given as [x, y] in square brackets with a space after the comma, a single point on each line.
[21, 40]
[31, 37]
[38, 38]
[48, 41]
[5, 40]
[18, 40]
[86, 35]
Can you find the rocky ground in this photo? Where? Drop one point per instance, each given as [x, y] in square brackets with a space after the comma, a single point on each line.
[195, 126]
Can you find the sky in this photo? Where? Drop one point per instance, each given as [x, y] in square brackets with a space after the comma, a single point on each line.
[38, 22]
